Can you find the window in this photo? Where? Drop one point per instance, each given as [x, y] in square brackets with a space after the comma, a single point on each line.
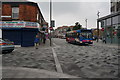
[115, 20]
[109, 22]
[37, 16]
[15, 13]
[103, 23]
[119, 19]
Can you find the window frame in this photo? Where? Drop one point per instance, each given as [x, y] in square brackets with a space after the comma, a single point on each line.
[13, 13]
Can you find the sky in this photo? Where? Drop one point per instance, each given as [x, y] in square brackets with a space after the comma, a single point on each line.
[67, 13]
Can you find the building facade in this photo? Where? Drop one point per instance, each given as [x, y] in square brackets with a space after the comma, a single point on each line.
[115, 6]
[61, 31]
[110, 24]
[21, 21]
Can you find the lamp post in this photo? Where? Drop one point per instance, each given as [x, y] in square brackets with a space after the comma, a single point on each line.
[50, 21]
[0, 11]
[98, 14]
[86, 22]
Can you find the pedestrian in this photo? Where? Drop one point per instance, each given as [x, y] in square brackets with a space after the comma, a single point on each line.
[104, 40]
[44, 38]
[36, 41]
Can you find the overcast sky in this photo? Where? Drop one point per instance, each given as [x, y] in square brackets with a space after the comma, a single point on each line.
[67, 12]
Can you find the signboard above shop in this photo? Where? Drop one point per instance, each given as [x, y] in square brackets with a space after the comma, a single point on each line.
[31, 24]
[11, 24]
[15, 24]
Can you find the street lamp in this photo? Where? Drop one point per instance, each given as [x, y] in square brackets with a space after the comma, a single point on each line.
[50, 21]
[86, 22]
[98, 14]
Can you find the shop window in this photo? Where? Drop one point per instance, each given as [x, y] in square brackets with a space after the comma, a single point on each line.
[109, 22]
[119, 19]
[115, 20]
[15, 13]
[118, 32]
[103, 23]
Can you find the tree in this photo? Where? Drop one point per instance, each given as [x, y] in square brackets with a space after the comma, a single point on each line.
[68, 29]
[77, 26]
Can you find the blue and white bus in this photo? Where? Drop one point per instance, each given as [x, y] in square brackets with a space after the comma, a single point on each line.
[82, 36]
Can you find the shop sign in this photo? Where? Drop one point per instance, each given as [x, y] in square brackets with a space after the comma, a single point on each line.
[11, 24]
[31, 24]
[102, 29]
[16, 24]
[45, 26]
[114, 33]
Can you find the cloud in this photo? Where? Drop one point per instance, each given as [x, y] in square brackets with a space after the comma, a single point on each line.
[67, 13]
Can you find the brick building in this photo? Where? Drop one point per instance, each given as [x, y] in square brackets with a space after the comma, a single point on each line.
[21, 21]
[61, 31]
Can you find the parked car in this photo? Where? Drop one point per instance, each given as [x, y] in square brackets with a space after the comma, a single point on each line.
[6, 46]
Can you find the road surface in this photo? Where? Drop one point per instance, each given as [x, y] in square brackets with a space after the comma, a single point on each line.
[93, 61]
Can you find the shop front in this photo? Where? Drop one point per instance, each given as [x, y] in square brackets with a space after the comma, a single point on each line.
[21, 33]
[110, 28]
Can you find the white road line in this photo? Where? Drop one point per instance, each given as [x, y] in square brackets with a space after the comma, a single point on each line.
[15, 49]
[56, 46]
[58, 66]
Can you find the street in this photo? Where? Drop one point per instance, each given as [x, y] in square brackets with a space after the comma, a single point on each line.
[93, 61]
[87, 61]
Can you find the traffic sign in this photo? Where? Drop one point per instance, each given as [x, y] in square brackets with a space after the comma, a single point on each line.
[52, 23]
[51, 28]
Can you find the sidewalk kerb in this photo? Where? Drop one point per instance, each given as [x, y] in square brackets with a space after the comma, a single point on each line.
[58, 66]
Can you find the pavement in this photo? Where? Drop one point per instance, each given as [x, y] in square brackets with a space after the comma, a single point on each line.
[20, 72]
[94, 61]
[15, 67]
[107, 44]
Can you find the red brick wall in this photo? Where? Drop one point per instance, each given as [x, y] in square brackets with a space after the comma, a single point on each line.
[22, 12]
[6, 11]
[26, 12]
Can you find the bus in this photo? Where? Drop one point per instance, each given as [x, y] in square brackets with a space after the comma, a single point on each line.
[82, 36]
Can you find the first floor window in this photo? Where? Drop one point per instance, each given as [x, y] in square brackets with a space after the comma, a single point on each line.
[15, 13]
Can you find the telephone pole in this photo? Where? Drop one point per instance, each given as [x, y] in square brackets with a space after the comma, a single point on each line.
[98, 14]
[50, 21]
[86, 22]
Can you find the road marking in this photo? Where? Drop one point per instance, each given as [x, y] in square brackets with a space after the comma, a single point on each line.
[56, 46]
[15, 49]
[58, 66]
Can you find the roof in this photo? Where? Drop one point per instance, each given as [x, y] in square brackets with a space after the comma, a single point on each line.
[71, 26]
[108, 16]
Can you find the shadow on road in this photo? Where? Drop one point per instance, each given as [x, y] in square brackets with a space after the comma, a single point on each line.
[81, 44]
